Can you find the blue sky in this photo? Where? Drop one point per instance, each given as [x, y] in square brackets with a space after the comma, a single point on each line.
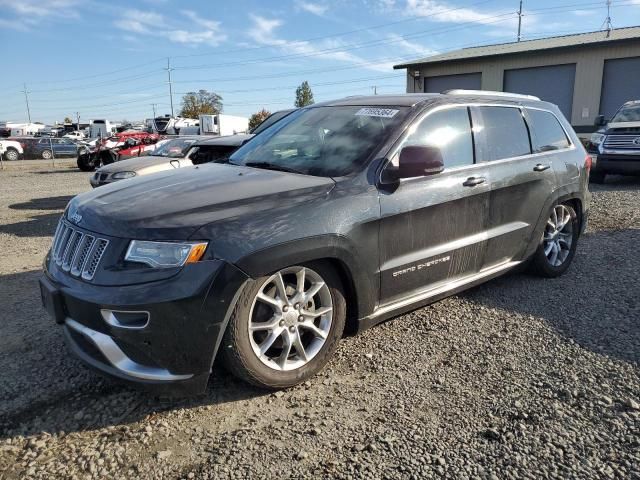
[106, 59]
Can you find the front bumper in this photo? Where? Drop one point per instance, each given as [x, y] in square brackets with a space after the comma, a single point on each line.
[172, 351]
[617, 164]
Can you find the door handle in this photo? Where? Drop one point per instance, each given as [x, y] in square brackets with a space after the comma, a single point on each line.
[473, 181]
[541, 167]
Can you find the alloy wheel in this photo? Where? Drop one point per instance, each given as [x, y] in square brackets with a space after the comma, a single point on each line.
[558, 236]
[290, 318]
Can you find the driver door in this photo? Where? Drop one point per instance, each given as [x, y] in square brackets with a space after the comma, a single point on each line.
[432, 227]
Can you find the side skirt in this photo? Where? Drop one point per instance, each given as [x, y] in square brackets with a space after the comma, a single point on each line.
[431, 295]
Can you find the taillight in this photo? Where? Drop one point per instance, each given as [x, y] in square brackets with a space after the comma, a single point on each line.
[587, 163]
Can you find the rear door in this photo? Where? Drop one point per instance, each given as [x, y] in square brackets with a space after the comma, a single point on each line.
[432, 228]
[521, 181]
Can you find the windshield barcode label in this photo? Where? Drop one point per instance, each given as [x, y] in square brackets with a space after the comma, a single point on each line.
[377, 112]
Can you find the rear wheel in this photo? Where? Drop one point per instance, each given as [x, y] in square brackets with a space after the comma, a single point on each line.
[47, 154]
[285, 326]
[597, 177]
[558, 244]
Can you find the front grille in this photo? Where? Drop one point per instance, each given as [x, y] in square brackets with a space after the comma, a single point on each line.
[622, 142]
[77, 252]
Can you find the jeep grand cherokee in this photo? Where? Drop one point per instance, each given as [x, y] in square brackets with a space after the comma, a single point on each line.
[341, 215]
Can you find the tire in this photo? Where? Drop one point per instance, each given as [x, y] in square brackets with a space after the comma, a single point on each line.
[11, 154]
[597, 177]
[274, 369]
[557, 245]
[47, 154]
[84, 163]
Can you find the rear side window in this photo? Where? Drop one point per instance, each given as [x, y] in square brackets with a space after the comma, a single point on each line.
[450, 131]
[548, 134]
[505, 133]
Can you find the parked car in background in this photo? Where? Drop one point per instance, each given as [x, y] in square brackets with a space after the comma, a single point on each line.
[13, 150]
[344, 213]
[270, 120]
[615, 147]
[170, 156]
[75, 135]
[47, 148]
[118, 147]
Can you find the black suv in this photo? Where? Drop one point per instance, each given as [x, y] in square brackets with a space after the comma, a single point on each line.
[340, 216]
[616, 145]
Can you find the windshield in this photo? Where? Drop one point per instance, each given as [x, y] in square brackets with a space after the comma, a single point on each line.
[174, 148]
[270, 120]
[627, 114]
[321, 141]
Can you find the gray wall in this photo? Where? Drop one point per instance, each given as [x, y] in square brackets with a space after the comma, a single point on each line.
[589, 63]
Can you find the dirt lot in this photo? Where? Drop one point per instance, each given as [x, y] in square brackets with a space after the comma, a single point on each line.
[519, 378]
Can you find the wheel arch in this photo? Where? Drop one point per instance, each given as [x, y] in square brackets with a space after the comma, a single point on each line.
[337, 251]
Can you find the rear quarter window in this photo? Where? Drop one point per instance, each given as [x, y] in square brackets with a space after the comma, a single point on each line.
[504, 132]
[548, 134]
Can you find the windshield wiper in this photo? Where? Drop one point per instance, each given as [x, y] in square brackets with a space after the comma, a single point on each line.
[272, 166]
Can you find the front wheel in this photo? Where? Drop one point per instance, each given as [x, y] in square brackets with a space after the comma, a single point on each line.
[558, 244]
[47, 154]
[11, 154]
[285, 326]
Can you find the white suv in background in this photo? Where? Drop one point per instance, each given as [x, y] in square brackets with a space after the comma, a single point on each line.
[12, 150]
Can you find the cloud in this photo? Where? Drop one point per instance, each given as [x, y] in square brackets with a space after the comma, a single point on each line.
[410, 47]
[263, 32]
[439, 11]
[154, 24]
[24, 14]
[313, 8]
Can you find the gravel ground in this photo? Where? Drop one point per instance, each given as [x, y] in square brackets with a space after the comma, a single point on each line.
[519, 378]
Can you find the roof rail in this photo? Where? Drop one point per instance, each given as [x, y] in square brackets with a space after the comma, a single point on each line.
[488, 93]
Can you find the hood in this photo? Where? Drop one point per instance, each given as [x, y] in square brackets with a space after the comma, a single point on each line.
[172, 205]
[135, 164]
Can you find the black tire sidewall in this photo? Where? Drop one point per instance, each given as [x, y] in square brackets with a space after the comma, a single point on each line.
[238, 353]
[541, 264]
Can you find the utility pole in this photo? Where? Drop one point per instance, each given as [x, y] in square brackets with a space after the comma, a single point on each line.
[520, 22]
[78, 120]
[26, 98]
[153, 105]
[607, 23]
[170, 85]
[375, 89]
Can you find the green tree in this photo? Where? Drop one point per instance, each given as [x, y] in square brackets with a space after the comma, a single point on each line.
[201, 102]
[304, 95]
[67, 120]
[257, 118]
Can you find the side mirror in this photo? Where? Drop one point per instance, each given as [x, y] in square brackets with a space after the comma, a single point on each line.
[600, 121]
[419, 161]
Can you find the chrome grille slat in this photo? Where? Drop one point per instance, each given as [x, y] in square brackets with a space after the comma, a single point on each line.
[77, 252]
[622, 141]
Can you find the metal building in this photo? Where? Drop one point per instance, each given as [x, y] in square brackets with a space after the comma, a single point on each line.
[585, 75]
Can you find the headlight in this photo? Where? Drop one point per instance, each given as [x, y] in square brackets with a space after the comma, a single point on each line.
[123, 175]
[597, 138]
[165, 254]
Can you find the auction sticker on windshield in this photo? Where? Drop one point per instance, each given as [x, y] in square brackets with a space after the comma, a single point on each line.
[377, 112]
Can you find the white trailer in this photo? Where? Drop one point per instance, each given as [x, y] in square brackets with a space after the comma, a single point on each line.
[100, 128]
[222, 124]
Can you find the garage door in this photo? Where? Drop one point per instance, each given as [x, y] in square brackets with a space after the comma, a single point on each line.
[619, 84]
[552, 84]
[468, 81]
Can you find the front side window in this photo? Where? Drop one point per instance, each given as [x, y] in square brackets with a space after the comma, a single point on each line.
[630, 113]
[505, 133]
[450, 131]
[548, 134]
[321, 141]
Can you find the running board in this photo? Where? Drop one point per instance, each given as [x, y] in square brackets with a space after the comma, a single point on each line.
[441, 290]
